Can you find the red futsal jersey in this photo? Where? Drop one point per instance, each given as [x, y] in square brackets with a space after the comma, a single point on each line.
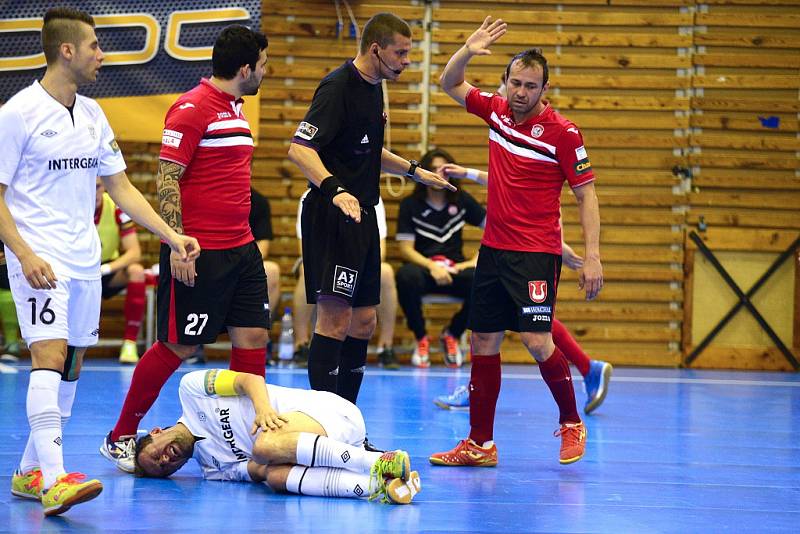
[205, 131]
[528, 164]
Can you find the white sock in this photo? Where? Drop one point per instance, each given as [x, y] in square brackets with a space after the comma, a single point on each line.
[66, 396]
[29, 457]
[44, 418]
[327, 482]
[322, 451]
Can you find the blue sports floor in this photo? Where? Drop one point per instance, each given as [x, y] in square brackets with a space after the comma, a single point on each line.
[668, 451]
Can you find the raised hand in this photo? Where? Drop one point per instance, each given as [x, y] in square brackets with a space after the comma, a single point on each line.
[479, 42]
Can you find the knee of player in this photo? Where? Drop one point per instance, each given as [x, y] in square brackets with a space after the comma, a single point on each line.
[135, 272]
[266, 449]
[364, 322]
[539, 344]
[277, 476]
[387, 273]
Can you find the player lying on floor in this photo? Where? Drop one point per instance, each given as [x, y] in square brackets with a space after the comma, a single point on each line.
[300, 441]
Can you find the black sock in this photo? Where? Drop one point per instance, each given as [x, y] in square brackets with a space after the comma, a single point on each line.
[351, 368]
[323, 362]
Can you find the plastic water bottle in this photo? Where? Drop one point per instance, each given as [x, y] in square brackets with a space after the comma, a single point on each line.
[286, 341]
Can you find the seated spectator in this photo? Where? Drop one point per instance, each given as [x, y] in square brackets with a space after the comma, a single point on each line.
[120, 268]
[429, 228]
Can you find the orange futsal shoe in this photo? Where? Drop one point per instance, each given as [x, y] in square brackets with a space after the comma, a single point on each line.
[467, 454]
[573, 442]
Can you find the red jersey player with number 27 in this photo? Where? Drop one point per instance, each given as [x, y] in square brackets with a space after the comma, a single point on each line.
[532, 151]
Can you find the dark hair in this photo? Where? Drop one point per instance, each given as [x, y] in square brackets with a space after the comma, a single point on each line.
[381, 29]
[141, 443]
[236, 46]
[528, 58]
[426, 162]
[62, 25]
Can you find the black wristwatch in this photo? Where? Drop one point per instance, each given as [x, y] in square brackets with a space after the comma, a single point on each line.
[412, 168]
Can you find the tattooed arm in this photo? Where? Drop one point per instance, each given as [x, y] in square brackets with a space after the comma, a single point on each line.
[169, 193]
[169, 204]
[131, 201]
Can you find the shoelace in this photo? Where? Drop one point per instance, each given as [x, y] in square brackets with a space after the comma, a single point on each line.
[423, 346]
[36, 482]
[128, 450]
[459, 393]
[450, 344]
[72, 478]
[572, 434]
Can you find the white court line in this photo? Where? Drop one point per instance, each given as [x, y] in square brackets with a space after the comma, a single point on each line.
[463, 374]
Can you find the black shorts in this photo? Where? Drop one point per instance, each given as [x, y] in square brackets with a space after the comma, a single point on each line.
[230, 290]
[514, 291]
[109, 291]
[341, 258]
[4, 283]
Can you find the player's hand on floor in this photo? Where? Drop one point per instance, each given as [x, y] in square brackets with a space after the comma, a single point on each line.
[182, 271]
[349, 205]
[591, 278]
[431, 178]
[268, 420]
[38, 272]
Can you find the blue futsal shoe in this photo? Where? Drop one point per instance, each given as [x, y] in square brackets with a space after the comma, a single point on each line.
[457, 400]
[596, 384]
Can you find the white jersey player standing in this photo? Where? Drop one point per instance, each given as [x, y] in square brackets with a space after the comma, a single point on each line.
[55, 143]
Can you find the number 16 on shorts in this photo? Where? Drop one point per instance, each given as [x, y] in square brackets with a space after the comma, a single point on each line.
[70, 311]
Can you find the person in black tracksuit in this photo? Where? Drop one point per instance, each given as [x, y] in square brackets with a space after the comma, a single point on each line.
[429, 228]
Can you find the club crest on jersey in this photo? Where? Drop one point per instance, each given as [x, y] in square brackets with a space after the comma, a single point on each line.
[344, 280]
[306, 131]
[452, 209]
[537, 130]
[92, 131]
[537, 290]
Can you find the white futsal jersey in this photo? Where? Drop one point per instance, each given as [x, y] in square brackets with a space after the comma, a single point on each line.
[49, 160]
[225, 422]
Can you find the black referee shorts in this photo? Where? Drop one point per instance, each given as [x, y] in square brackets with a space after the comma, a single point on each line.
[230, 290]
[514, 291]
[341, 258]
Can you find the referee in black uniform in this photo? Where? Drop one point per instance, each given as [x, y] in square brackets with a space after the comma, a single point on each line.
[339, 148]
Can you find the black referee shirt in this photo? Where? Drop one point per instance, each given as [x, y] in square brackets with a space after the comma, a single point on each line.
[438, 231]
[345, 126]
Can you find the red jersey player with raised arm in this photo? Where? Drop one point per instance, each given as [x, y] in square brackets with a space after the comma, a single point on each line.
[532, 151]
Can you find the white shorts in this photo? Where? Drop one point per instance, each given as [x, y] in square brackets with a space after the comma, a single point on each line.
[340, 418]
[71, 311]
[380, 216]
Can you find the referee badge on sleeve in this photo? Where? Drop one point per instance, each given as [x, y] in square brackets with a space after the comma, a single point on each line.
[344, 280]
[306, 131]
